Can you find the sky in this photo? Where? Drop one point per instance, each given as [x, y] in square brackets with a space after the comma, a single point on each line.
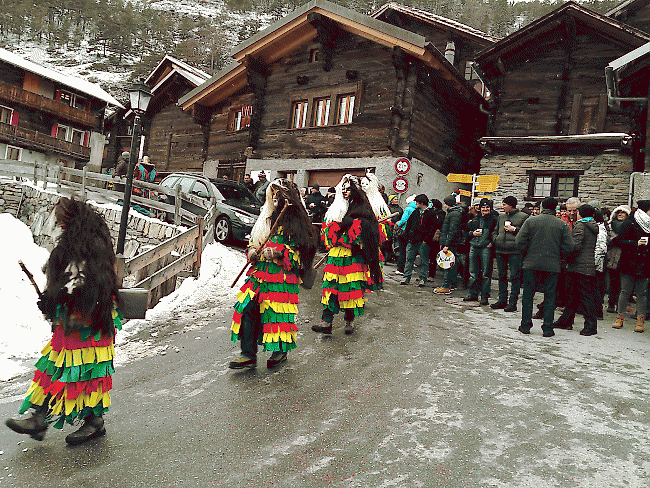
[26, 332]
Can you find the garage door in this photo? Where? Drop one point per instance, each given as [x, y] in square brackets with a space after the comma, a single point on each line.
[332, 178]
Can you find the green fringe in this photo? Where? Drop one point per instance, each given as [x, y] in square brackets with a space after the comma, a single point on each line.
[279, 346]
[354, 285]
[270, 317]
[234, 337]
[71, 374]
[345, 261]
[333, 305]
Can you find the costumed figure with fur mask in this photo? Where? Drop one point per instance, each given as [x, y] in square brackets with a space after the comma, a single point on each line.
[370, 185]
[351, 235]
[268, 300]
[74, 376]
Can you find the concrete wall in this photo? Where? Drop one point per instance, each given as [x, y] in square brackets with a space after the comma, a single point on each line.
[606, 176]
[34, 207]
[431, 182]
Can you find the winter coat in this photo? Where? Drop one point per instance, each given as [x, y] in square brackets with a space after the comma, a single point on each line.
[260, 190]
[396, 209]
[451, 233]
[582, 258]
[407, 213]
[420, 226]
[320, 206]
[504, 242]
[601, 248]
[635, 259]
[487, 223]
[543, 241]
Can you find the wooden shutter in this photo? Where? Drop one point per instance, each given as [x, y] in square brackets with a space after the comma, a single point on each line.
[14, 117]
[86, 138]
[55, 130]
[57, 95]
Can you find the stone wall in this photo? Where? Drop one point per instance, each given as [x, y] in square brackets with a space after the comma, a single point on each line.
[606, 176]
[34, 207]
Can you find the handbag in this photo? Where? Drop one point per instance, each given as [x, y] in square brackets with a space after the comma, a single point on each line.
[613, 256]
[398, 231]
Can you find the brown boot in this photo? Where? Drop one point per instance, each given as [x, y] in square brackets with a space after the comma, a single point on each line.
[619, 321]
[35, 425]
[639, 323]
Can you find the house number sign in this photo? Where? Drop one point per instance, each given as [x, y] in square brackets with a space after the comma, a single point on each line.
[402, 166]
[400, 184]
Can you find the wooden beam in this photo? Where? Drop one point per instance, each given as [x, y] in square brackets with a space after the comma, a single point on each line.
[575, 113]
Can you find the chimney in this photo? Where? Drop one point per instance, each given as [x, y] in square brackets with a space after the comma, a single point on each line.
[450, 52]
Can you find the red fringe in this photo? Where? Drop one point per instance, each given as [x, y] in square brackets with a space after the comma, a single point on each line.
[72, 390]
[355, 230]
[276, 277]
[73, 340]
[279, 297]
[272, 328]
[347, 295]
[346, 270]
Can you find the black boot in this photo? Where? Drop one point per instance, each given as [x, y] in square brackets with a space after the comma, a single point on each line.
[92, 427]
[276, 358]
[323, 327]
[35, 425]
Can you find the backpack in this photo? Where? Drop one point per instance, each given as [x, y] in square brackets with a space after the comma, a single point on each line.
[152, 175]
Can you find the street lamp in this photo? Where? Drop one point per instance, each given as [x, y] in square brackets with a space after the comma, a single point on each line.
[139, 95]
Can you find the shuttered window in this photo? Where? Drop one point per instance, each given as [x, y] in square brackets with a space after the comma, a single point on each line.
[321, 112]
[299, 114]
[5, 115]
[345, 108]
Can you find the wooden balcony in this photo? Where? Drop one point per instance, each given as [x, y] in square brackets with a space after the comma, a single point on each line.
[37, 141]
[15, 94]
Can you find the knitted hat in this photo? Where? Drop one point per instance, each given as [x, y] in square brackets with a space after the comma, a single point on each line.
[510, 200]
[392, 198]
[643, 205]
[450, 200]
[315, 187]
[485, 201]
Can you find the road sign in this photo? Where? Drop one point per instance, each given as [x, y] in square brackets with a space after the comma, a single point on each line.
[465, 193]
[400, 184]
[487, 182]
[402, 166]
[459, 178]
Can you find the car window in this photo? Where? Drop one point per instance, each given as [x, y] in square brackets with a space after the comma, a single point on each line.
[186, 184]
[237, 193]
[200, 189]
[169, 182]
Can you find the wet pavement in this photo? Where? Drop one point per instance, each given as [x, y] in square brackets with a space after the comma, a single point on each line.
[429, 391]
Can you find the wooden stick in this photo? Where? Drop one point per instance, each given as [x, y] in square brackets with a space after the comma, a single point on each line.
[31, 277]
[383, 219]
[271, 232]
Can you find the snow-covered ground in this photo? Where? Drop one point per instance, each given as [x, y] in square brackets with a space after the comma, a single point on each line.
[25, 331]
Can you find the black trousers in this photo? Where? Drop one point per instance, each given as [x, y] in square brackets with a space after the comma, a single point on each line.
[250, 331]
[581, 295]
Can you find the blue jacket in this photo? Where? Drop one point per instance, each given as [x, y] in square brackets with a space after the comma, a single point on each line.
[407, 213]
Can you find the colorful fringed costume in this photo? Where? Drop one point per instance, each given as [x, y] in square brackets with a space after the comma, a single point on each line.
[274, 286]
[346, 277]
[282, 248]
[74, 375]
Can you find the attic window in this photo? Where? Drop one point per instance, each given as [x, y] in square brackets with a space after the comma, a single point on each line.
[313, 55]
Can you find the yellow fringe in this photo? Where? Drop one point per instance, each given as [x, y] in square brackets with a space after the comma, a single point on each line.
[358, 276]
[77, 357]
[279, 336]
[241, 296]
[278, 307]
[235, 327]
[326, 298]
[356, 303]
[83, 400]
[340, 252]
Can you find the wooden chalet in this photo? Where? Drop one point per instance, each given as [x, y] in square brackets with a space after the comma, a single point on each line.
[459, 42]
[551, 131]
[327, 91]
[635, 13]
[172, 139]
[49, 117]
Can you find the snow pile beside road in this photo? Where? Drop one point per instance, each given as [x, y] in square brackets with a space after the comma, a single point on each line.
[24, 330]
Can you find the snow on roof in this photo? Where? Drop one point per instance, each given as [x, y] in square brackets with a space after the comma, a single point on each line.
[78, 84]
[193, 74]
[628, 58]
[435, 19]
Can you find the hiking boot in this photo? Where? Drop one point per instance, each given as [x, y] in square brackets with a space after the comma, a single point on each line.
[525, 329]
[498, 305]
[619, 321]
[243, 362]
[484, 301]
[611, 309]
[639, 324]
[561, 325]
[588, 332]
[276, 358]
[349, 327]
[470, 299]
[510, 308]
[92, 427]
[322, 327]
[35, 425]
[442, 291]
[548, 333]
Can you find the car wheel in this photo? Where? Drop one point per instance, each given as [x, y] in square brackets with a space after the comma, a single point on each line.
[222, 229]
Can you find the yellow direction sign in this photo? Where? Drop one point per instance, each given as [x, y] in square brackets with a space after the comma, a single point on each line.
[465, 193]
[487, 182]
[459, 178]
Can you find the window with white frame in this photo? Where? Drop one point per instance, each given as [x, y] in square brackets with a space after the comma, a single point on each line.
[325, 107]
[74, 100]
[13, 153]
[5, 114]
[321, 112]
[345, 108]
[71, 134]
[240, 118]
[558, 184]
[299, 114]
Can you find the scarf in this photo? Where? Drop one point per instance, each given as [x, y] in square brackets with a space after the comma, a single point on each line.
[643, 219]
[587, 219]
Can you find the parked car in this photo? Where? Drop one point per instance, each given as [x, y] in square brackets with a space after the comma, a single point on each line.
[237, 207]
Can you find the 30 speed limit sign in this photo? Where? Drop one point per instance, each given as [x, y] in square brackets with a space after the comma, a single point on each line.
[402, 166]
[400, 184]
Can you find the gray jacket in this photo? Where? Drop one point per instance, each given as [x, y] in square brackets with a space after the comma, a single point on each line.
[504, 242]
[582, 259]
[543, 241]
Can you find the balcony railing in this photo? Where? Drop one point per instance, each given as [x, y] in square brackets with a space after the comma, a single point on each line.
[31, 139]
[59, 109]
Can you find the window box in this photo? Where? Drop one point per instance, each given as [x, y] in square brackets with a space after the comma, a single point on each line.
[560, 184]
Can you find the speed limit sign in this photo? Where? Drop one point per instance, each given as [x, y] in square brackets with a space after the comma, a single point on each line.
[402, 166]
[400, 184]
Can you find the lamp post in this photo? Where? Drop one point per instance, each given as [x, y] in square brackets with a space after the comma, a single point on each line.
[140, 95]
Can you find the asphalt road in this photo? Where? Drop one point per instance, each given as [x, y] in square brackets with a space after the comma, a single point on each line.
[428, 392]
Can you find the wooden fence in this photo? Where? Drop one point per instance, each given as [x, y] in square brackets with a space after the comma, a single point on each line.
[162, 266]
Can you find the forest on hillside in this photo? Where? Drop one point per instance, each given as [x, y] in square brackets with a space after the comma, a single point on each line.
[132, 36]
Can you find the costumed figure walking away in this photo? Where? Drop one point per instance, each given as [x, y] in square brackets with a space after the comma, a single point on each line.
[74, 376]
[370, 185]
[351, 234]
[268, 300]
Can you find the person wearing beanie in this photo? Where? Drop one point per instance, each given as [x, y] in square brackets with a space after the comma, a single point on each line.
[544, 241]
[480, 231]
[634, 263]
[451, 237]
[399, 229]
[316, 204]
[419, 231]
[616, 219]
[507, 255]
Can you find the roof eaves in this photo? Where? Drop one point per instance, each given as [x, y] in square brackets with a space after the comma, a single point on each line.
[208, 83]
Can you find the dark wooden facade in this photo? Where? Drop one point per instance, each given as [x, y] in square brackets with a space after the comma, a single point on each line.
[635, 13]
[404, 106]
